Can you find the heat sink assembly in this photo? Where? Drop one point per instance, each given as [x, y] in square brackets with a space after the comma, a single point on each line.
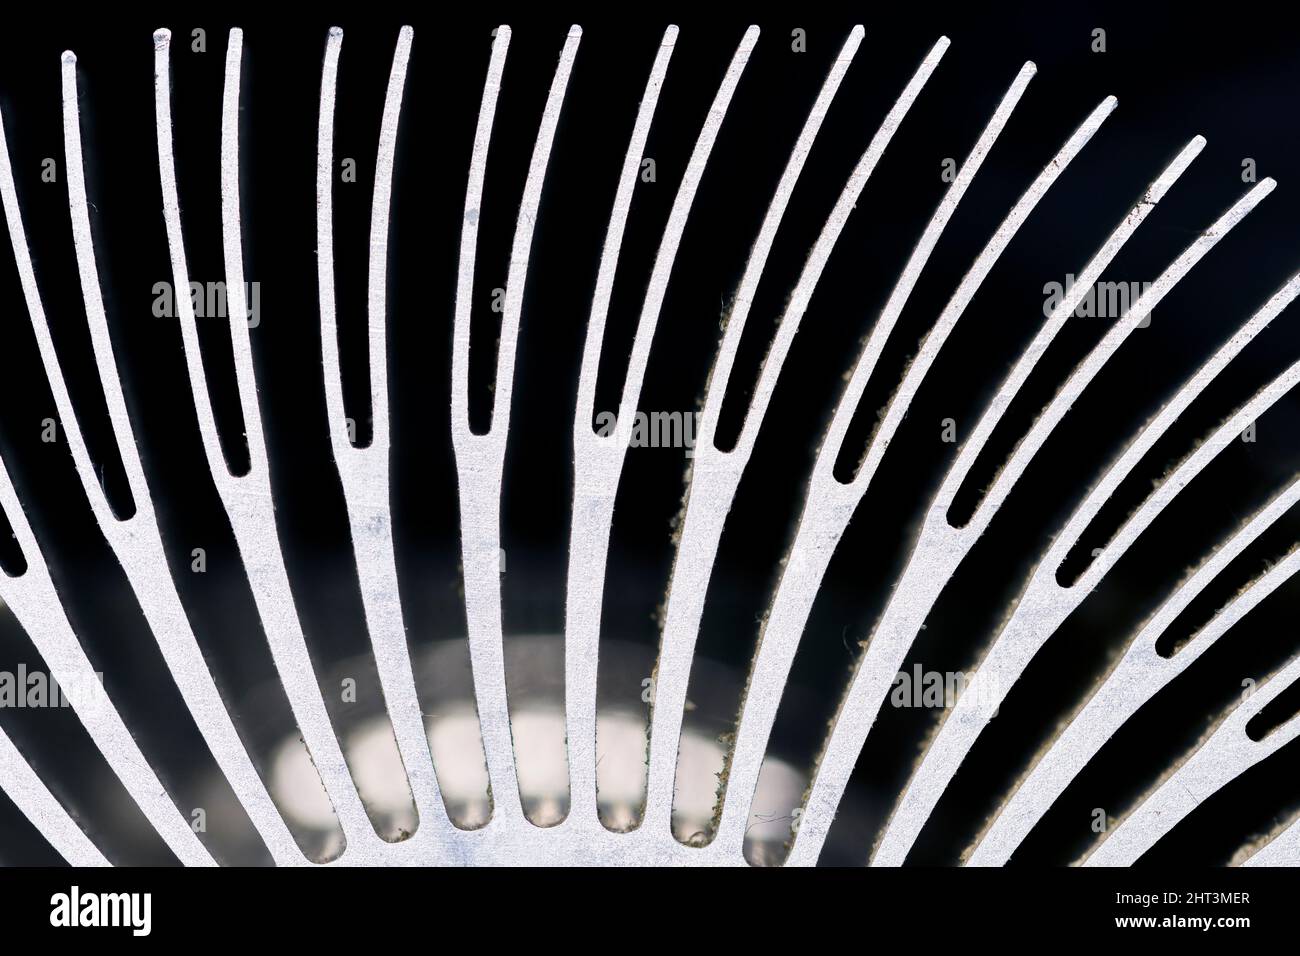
[665, 441]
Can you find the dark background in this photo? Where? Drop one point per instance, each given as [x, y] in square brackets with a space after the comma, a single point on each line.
[1233, 78]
